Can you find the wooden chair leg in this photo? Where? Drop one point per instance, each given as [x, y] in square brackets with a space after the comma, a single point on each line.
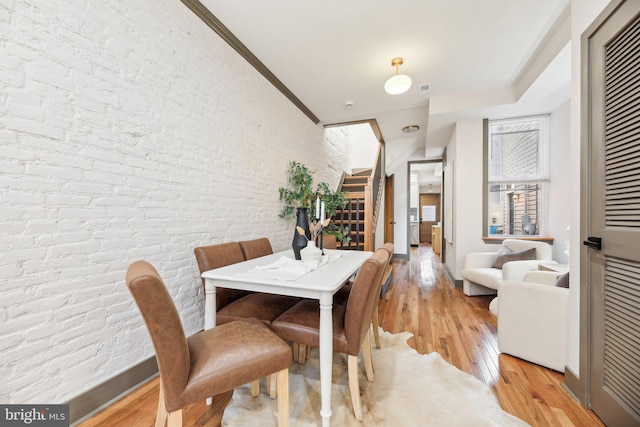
[161, 417]
[354, 386]
[175, 419]
[283, 397]
[296, 349]
[374, 326]
[272, 381]
[368, 357]
[255, 388]
[219, 404]
[302, 356]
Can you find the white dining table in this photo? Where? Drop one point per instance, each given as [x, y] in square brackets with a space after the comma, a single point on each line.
[320, 283]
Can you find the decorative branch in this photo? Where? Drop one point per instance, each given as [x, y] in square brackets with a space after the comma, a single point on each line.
[315, 228]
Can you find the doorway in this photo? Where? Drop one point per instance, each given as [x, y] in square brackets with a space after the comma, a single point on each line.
[429, 215]
[424, 200]
[389, 211]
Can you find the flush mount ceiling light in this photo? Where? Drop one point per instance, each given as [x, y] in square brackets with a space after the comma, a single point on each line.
[399, 83]
[411, 129]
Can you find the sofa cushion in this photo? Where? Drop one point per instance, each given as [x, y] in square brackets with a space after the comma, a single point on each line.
[562, 281]
[493, 307]
[505, 255]
[489, 277]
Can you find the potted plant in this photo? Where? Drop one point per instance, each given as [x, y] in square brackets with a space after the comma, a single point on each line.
[334, 200]
[300, 196]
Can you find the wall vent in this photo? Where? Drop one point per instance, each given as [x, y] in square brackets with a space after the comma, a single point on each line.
[423, 89]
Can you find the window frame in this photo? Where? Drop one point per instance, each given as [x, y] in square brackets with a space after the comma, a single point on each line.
[541, 178]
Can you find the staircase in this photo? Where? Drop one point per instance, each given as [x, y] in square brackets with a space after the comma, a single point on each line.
[363, 191]
[353, 215]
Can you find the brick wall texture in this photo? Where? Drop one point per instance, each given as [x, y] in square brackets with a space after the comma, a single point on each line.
[128, 130]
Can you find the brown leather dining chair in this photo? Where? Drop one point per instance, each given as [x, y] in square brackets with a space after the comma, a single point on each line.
[301, 353]
[236, 305]
[350, 323]
[256, 248]
[215, 256]
[342, 296]
[209, 363]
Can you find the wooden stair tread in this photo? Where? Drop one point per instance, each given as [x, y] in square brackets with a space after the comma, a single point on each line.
[355, 180]
[366, 172]
[354, 195]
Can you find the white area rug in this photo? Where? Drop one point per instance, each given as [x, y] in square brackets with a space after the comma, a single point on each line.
[410, 389]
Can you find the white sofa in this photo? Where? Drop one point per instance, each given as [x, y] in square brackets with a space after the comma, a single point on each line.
[479, 278]
[533, 317]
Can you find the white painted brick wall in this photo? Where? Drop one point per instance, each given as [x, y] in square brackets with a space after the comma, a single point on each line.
[124, 138]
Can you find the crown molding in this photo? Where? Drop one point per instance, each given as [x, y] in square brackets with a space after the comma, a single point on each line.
[218, 27]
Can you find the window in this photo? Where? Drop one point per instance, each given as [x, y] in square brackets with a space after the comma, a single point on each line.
[517, 176]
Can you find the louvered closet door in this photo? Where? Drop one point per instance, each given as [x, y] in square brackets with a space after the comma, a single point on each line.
[614, 271]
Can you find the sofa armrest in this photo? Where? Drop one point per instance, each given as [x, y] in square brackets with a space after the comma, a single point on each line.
[516, 270]
[479, 259]
[533, 323]
[541, 277]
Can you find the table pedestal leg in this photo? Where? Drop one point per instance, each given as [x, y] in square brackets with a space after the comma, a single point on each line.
[326, 357]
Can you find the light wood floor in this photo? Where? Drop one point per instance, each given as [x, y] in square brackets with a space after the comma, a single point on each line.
[460, 328]
[421, 301]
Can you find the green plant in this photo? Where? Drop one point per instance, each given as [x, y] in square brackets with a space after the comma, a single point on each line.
[299, 193]
[332, 199]
[342, 233]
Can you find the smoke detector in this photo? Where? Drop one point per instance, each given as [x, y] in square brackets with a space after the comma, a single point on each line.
[423, 89]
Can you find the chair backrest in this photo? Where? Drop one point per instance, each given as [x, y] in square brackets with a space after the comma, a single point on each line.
[543, 249]
[389, 248]
[216, 256]
[364, 291]
[256, 248]
[164, 325]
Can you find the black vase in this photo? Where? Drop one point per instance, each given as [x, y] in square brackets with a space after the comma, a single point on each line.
[300, 241]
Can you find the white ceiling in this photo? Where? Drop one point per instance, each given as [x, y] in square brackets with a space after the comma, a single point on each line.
[489, 58]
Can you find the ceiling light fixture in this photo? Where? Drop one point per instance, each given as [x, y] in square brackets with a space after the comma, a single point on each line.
[411, 129]
[399, 83]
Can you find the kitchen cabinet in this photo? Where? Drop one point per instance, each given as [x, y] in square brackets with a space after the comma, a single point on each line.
[436, 233]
